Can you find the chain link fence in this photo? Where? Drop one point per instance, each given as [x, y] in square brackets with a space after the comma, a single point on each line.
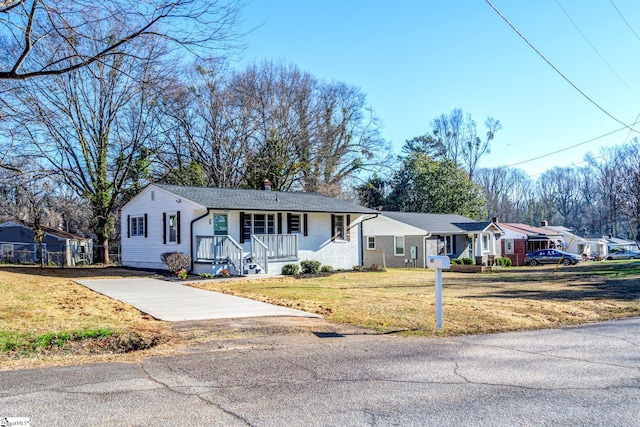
[61, 255]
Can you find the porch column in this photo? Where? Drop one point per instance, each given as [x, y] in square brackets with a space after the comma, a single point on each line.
[478, 249]
[492, 236]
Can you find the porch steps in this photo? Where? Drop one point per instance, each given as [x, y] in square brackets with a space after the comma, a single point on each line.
[252, 268]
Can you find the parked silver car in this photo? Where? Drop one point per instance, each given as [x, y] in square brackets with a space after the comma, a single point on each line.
[623, 254]
[551, 256]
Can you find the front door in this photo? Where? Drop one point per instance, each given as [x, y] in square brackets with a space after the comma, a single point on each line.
[220, 224]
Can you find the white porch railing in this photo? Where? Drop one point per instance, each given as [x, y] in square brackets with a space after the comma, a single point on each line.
[280, 246]
[259, 253]
[219, 250]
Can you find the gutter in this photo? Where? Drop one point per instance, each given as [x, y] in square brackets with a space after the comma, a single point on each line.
[191, 232]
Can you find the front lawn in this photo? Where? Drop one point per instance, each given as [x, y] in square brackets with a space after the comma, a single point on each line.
[404, 300]
[44, 316]
[46, 319]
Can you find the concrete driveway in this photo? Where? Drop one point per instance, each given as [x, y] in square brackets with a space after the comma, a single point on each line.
[175, 302]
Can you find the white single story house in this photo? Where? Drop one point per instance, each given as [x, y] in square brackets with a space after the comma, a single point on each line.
[244, 231]
[399, 239]
[58, 247]
[578, 242]
[616, 243]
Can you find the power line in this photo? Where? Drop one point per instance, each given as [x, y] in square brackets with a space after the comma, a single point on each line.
[570, 147]
[596, 50]
[623, 18]
[504, 18]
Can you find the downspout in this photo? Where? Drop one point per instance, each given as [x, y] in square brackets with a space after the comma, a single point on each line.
[424, 249]
[362, 235]
[191, 232]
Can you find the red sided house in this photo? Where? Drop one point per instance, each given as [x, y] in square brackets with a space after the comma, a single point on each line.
[520, 239]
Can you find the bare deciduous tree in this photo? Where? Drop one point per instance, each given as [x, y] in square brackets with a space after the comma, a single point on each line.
[95, 127]
[272, 121]
[628, 186]
[47, 37]
[458, 133]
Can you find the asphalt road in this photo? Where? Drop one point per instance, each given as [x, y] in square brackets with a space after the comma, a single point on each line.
[588, 375]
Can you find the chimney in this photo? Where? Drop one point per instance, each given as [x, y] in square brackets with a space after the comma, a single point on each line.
[494, 219]
[543, 223]
[266, 185]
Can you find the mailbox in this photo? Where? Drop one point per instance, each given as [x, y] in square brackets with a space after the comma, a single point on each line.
[435, 261]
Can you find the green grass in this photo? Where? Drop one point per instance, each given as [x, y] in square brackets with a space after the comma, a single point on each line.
[25, 343]
[515, 298]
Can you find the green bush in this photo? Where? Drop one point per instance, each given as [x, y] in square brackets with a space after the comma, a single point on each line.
[326, 269]
[467, 261]
[504, 262]
[290, 269]
[310, 267]
[456, 261]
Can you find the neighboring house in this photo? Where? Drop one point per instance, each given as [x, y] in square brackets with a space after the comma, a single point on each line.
[58, 247]
[579, 242]
[399, 239]
[243, 231]
[620, 243]
[520, 239]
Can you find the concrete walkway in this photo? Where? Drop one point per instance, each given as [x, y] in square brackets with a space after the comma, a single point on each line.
[175, 302]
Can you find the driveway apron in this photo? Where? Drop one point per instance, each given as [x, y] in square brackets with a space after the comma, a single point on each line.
[175, 302]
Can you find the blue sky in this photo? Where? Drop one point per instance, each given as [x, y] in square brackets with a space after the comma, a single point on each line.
[418, 59]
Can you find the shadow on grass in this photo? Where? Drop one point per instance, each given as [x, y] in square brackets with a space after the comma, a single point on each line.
[613, 289]
[73, 272]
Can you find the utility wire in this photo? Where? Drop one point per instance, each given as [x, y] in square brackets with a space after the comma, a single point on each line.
[504, 18]
[571, 146]
[596, 50]
[623, 18]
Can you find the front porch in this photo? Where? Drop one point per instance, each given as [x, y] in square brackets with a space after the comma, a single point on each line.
[224, 253]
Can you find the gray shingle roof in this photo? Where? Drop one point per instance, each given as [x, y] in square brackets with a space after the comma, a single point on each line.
[472, 226]
[433, 223]
[260, 200]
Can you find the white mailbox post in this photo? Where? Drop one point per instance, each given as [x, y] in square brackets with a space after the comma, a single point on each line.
[438, 263]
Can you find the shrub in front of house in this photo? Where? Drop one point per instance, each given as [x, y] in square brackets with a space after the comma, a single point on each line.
[504, 262]
[310, 267]
[176, 261]
[326, 269]
[456, 261]
[290, 269]
[467, 261]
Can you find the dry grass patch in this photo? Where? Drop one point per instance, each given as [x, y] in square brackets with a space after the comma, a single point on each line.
[404, 301]
[44, 313]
